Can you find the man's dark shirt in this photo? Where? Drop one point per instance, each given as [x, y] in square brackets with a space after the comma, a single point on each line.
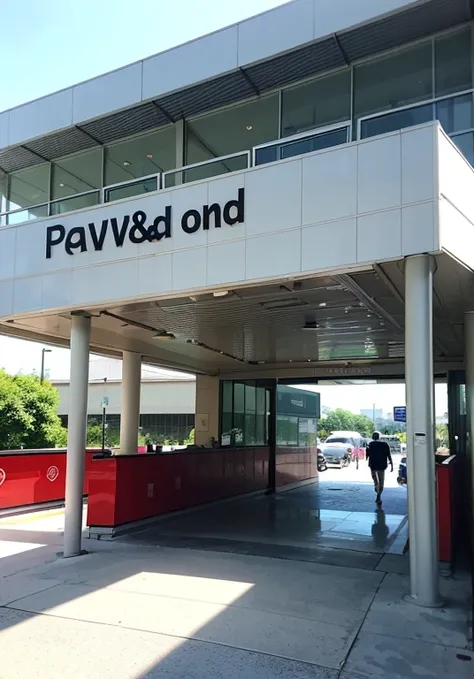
[378, 454]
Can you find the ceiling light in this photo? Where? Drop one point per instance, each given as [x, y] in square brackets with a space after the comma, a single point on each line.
[283, 303]
[126, 163]
[249, 127]
[61, 185]
[323, 304]
[220, 293]
[164, 336]
[149, 156]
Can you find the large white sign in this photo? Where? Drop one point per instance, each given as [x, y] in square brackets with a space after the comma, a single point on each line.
[139, 227]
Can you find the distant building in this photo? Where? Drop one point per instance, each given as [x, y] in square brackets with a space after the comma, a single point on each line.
[167, 403]
[372, 414]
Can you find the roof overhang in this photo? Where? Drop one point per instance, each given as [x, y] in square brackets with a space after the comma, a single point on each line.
[412, 21]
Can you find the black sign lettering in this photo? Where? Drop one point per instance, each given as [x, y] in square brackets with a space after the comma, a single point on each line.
[195, 217]
[76, 240]
[50, 241]
[119, 236]
[208, 210]
[139, 233]
[98, 240]
[239, 206]
[136, 230]
[154, 232]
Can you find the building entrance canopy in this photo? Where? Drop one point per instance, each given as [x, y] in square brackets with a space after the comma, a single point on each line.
[271, 267]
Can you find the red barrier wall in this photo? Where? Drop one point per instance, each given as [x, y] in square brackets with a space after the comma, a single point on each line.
[446, 513]
[31, 476]
[128, 488]
[295, 464]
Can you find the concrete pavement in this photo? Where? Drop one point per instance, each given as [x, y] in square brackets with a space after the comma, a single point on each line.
[132, 610]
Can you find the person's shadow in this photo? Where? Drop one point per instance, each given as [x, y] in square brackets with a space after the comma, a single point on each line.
[380, 530]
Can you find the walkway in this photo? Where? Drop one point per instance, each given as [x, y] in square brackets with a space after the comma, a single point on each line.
[141, 611]
[336, 513]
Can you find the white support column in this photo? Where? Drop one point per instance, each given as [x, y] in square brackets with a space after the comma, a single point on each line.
[76, 438]
[424, 570]
[130, 414]
[207, 409]
[469, 365]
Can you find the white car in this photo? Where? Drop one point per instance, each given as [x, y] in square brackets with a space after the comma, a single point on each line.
[338, 450]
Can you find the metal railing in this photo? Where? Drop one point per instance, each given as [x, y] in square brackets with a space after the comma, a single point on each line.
[189, 173]
[279, 149]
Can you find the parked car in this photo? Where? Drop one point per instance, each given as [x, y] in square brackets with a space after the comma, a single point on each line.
[402, 472]
[338, 450]
[351, 441]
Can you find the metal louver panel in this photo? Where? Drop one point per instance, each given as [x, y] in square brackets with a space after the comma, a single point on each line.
[61, 144]
[126, 123]
[287, 68]
[18, 158]
[398, 29]
[207, 95]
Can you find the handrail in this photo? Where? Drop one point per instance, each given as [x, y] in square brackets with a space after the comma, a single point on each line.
[203, 163]
[249, 155]
[136, 180]
[309, 134]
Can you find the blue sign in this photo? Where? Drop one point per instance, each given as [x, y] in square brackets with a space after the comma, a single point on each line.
[400, 413]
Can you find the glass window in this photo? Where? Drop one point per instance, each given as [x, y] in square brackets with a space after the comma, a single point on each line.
[260, 438]
[29, 187]
[3, 197]
[232, 130]
[456, 114]
[453, 63]
[289, 149]
[396, 121]
[206, 171]
[399, 79]
[239, 412]
[227, 407]
[75, 203]
[25, 215]
[77, 174]
[141, 156]
[465, 143]
[321, 102]
[130, 190]
[250, 413]
[282, 427]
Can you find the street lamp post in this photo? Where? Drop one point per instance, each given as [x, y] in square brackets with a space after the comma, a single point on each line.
[43, 352]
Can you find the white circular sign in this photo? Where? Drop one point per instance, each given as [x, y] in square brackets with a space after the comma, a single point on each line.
[52, 473]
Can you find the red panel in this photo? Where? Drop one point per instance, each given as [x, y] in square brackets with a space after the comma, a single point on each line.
[129, 488]
[295, 464]
[444, 479]
[30, 477]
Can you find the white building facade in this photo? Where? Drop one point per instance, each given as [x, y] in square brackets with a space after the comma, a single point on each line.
[289, 197]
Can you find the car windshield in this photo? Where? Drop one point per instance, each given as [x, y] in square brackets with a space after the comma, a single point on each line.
[336, 439]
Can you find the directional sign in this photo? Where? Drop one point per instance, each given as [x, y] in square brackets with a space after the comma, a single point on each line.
[400, 414]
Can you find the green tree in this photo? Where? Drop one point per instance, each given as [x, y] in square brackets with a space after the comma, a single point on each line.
[343, 420]
[28, 413]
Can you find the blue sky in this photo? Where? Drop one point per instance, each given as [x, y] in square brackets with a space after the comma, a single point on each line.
[51, 44]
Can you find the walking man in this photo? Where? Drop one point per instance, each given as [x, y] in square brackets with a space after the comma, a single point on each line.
[378, 455]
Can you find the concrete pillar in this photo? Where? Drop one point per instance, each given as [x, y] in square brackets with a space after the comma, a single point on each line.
[469, 366]
[130, 413]
[207, 409]
[76, 438]
[424, 571]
